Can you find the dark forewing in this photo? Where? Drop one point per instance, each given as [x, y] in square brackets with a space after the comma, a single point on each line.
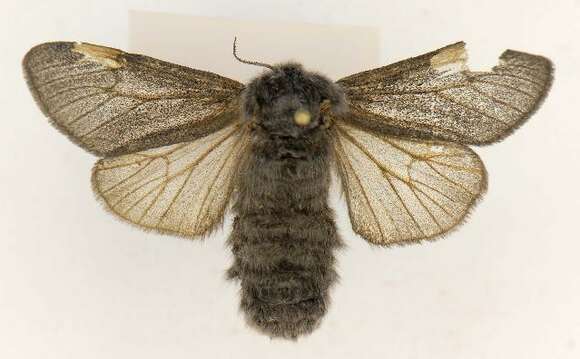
[111, 102]
[404, 190]
[435, 96]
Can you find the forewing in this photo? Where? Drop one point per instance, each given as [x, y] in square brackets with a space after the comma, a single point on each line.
[111, 102]
[403, 190]
[181, 189]
[435, 96]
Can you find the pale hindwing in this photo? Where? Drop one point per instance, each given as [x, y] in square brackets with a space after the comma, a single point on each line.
[436, 96]
[181, 189]
[403, 190]
[111, 102]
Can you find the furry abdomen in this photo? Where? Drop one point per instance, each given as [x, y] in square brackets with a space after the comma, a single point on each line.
[284, 234]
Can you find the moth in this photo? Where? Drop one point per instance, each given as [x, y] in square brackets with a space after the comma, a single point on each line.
[180, 147]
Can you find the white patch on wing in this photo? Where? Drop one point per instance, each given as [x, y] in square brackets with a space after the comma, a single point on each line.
[106, 56]
[450, 60]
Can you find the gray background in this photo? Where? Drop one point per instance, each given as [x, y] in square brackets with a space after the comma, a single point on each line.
[76, 283]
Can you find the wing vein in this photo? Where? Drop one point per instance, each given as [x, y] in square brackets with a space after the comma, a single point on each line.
[124, 180]
[190, 169]
[134, 190]
[161, 190]
[68, 77]
[69, 89]
[413, 188]
[508, 87]
[494, 99]
[111, 120]
[386, 176]
[99, 105]
[213, 182]
[471, 108]
[450, 180]
[367, 200]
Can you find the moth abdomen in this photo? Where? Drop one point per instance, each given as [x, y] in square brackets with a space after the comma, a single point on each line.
[283, 238]
[285, 274]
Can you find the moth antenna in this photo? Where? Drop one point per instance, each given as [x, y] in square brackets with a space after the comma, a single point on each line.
[250, 62]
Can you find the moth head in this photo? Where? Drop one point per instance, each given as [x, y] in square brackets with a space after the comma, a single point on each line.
[290, 100]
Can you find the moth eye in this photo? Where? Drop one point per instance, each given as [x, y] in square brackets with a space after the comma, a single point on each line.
[302, 117]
